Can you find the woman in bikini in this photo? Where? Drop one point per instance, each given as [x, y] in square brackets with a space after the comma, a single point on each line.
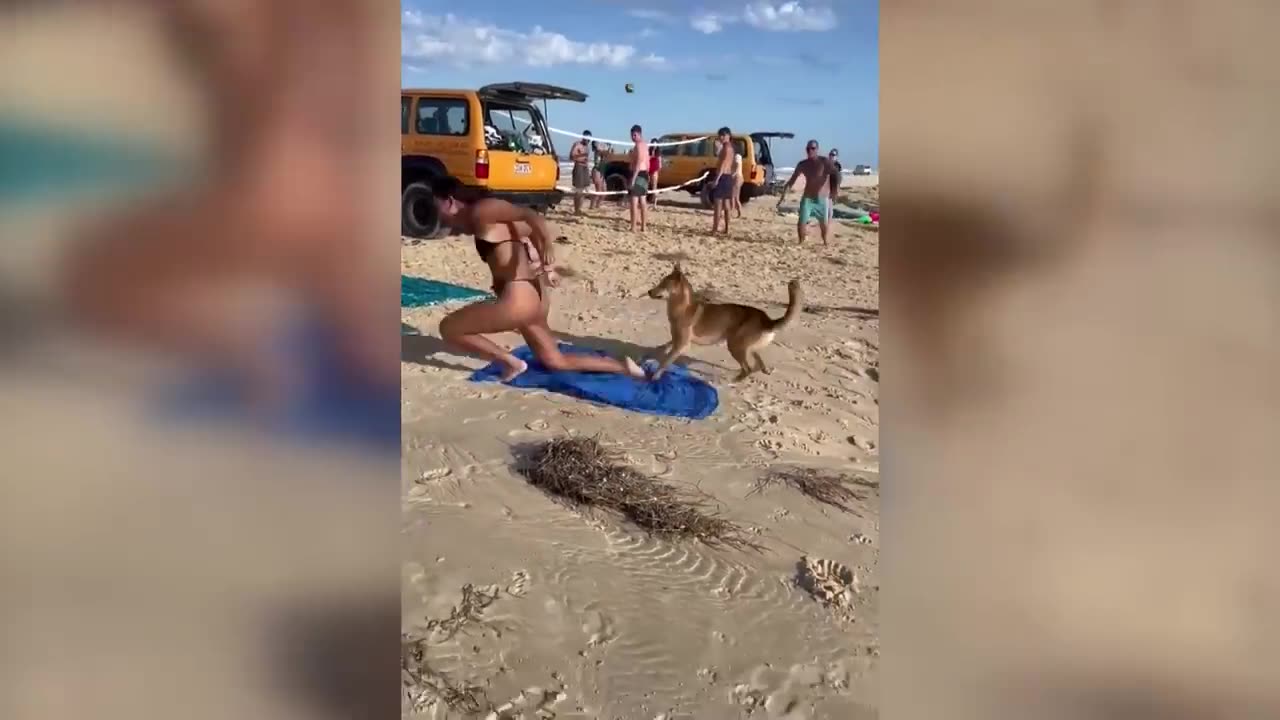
[738, 180]
[510, 240]
[655, 164]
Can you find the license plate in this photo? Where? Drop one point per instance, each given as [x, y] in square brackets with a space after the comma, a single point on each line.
[523, 168]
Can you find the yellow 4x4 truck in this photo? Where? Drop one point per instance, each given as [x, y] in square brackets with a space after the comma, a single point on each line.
[492, 138]
[682, 163]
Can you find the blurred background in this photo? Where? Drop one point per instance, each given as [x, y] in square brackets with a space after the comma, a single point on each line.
[182, 185]
[1079, 303]
[1081, 294]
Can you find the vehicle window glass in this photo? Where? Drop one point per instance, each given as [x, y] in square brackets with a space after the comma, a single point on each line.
[404, 115]
[443, 116]
[702, 148]
[517, 128]
[740, 147]
[669, 150]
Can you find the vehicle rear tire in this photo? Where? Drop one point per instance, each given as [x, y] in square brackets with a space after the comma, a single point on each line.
[704, 195]
[747, 192]
[615, 182]
[418, 215]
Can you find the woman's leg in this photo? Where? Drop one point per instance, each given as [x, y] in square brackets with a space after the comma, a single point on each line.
[466, 328]
[737, 196]
[544, 346]
[597, 180]
[654, 189]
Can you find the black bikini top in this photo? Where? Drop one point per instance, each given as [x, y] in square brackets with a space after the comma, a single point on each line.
[484, 248]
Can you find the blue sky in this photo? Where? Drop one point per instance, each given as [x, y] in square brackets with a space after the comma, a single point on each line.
[806, 66]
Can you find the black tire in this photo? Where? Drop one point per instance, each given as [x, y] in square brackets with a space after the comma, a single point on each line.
[418, 216]
[747, 192]
[615, 182]
[704, 195]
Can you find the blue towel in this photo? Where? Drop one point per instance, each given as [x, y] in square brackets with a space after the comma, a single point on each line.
[420, 292]
[676, 393]
[328, 406]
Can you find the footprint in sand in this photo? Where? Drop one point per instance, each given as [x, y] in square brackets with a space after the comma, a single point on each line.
[435, 474]
[831, 583]
[599, 628]
[518, 586]
[862, 443]
[532, 702]
[537, 425]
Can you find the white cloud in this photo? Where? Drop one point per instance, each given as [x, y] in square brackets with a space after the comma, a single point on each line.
[655, 62]
[709, 23]
[432, 39]
[791, 16]
[647, 33]
[654, 15]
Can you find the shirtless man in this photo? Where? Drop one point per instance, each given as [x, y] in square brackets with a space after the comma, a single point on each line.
[722, 192]
[638, 186]
[821, 186]
[580, 156]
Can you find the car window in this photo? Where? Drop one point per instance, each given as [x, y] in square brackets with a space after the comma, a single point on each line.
[517, 127]
[740, 146]
[405, 104]
[702, 148]
[443, 116]
[669, 150]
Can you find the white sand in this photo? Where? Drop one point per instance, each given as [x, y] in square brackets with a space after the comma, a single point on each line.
[599, 619]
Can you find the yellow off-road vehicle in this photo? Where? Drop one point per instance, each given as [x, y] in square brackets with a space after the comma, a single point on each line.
[492, 138]
[682, 163]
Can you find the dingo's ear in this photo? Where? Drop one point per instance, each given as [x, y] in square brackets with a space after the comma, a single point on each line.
[677, 268]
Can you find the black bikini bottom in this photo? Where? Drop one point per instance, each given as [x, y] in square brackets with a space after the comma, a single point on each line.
[500, 285]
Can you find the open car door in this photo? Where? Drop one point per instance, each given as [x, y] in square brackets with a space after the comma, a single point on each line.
[533, 91]
[763, 138]
[766, 155]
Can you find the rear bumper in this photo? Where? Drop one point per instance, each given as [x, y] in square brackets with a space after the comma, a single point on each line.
[529, 198]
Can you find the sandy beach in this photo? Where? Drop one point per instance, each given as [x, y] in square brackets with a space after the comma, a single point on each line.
[585, 616]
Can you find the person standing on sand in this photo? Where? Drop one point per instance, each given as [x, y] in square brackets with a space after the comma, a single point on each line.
[655, 164]
[722, 192]
[515, 243]
[834, 157]
[580, 156]
[821, 185]
[738, 181]
[638, 185]
[600, 157]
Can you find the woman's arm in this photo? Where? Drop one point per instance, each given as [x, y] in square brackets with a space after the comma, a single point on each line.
[491, 211]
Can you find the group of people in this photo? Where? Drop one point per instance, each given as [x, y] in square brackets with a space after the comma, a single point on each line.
[822, 181]
[589, 160]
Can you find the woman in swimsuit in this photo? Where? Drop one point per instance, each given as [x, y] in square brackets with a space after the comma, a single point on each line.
[655, 164]
[510, 240]
[738, 180]
[597, 173]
